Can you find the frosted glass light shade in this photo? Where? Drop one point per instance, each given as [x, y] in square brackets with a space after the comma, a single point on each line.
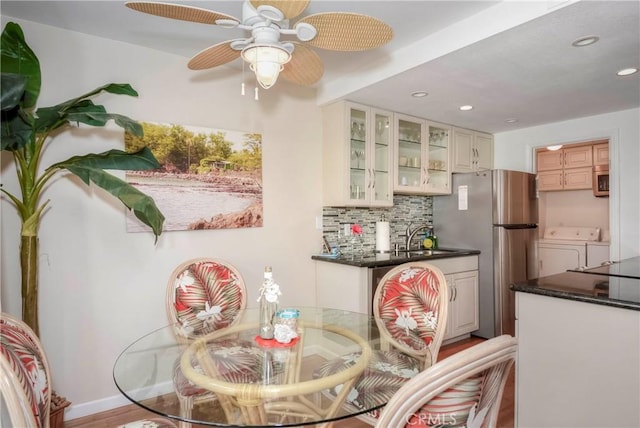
[266, 61]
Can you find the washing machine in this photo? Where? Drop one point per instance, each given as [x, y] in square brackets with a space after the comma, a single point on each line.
[562, 248]
[597, 253]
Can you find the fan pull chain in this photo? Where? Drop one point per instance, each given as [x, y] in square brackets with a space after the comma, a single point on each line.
[242, 86]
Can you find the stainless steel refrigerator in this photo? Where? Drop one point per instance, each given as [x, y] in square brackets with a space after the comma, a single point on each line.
[495, 212]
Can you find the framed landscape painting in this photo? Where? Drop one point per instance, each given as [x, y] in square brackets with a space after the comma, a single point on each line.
[208, 179]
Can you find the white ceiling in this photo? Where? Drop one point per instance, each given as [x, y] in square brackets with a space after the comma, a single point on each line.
[510, 59]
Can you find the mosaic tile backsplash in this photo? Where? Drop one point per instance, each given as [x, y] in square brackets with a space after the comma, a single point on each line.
[406, 208]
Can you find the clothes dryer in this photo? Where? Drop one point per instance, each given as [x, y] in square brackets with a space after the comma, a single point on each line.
[563, 248]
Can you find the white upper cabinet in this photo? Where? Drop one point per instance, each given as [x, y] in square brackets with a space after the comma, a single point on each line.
[369, 154]
[357, 153]
[439, 159]
[422, 156]
[472, 150]
[410, 154]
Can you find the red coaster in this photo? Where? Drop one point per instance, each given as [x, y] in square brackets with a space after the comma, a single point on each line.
[272, 343]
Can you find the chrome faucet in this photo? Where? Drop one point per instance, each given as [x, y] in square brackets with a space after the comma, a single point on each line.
[409, 234]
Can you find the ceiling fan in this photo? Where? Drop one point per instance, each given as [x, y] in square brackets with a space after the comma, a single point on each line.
[267, 21]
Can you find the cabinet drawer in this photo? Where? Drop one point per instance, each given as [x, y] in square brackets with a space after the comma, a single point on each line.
[456, 264]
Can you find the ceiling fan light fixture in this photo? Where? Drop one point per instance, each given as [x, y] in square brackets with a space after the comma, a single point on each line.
[266, 61]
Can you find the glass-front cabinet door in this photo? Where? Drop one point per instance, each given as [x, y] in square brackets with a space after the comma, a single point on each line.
[422, 156]
[381, 157]
[358, 133]
[439, 159]
[370, 156]
[410, 151]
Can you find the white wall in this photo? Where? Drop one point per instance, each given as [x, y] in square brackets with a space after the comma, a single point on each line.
[514, 150]
[101, 287]
[574, 208]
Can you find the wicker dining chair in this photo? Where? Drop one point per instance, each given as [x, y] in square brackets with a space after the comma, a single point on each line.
[463, 390]
[410, 308]
[25, 378]
[205, 295]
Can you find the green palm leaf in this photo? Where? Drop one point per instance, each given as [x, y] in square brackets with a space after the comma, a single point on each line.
[90, 169]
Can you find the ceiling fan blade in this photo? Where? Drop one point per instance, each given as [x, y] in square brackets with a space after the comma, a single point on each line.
[289, 8]
[177, 11]
[343, 31]
[305, 67]
[214, 56]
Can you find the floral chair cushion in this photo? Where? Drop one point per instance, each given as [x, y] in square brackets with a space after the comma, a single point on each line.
[408, 307]
[207, 296]
[18, 346]
[386, 372]
[235, 362]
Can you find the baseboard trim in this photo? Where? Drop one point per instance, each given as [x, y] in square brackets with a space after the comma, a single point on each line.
[91, 407]
[109, 403]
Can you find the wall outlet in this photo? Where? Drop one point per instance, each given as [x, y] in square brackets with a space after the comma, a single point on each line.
[346, 231]
[319, 222]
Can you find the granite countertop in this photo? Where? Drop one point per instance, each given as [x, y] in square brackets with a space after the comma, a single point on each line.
[584, 287]
[373, 260]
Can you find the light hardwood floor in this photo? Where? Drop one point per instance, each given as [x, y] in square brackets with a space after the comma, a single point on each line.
[122, 415]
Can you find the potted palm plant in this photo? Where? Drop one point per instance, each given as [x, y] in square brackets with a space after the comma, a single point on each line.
[26, 133]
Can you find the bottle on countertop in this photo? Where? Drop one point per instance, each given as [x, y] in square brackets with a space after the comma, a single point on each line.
[430, 241]
[268, 299]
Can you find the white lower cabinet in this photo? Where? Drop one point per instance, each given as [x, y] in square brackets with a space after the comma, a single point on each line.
[343, 287]
[463, 315]
[351, 288]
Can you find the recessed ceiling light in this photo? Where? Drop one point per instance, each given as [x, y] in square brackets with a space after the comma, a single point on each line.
[465, 108]
[585, 41]
[512, 120]
[627, 71]
[419, 94]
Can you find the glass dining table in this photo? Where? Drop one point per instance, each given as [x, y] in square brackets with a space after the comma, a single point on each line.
[255, 382]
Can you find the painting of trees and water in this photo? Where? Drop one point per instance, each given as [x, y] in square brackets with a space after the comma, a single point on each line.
[209, 178]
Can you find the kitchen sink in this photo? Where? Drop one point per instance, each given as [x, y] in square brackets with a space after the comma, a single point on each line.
[427, 252]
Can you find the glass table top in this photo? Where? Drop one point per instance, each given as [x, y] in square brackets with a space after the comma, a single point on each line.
[255, 383]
